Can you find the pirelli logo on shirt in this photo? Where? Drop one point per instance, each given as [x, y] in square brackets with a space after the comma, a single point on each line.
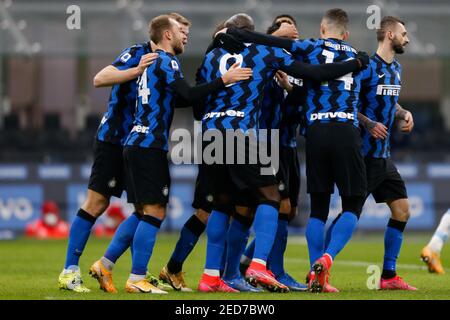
[388, 90]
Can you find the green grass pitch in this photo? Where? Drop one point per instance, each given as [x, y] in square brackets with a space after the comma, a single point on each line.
[29, 269]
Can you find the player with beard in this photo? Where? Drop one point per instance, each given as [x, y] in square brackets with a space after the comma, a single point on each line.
[237, 109]
[172, 273]
[380, 89]
[101, 269]
[107, 174]
[161, 88]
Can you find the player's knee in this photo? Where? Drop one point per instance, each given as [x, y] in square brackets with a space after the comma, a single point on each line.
[95, 203]
[270, 195]
[285, 206]
[157, 211]
[320, 206]
[139, 209]
[353, 204]
[247, 212]
[202, 215]
[227, 209]
[400, 210]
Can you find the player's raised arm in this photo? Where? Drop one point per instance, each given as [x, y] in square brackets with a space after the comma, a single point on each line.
[114, 74]
[261, 38]
[327, 71]
[227, 42]
[193, 94]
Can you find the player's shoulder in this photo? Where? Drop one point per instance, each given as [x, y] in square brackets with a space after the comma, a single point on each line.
[396, 64]
[373, 62]
[308, 42]
[275, 51]
[216, 52]
[136, 48]
[135, 51]
[168, 60]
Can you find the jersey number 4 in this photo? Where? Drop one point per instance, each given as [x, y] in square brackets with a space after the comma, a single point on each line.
[143, 90]
[347, 79]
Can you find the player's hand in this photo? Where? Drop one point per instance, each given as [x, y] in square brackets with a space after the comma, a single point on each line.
[229, 43]
[283, 80]
[286, 30]
[224, 30]
[236, 73]
[363, 58]
[146, 60]
[377, 130]
[408, 124]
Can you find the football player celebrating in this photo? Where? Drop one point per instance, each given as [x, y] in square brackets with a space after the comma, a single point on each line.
[107, 175]
[380, 89]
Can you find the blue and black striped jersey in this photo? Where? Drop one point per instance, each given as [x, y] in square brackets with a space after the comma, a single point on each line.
[293, 118]
[381, 84]
[118, 119]
[270, 113]
[277, 112]
[155, 103]
[335, 100]
[238, 106]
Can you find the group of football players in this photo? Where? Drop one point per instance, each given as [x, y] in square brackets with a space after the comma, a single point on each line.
[344, 103]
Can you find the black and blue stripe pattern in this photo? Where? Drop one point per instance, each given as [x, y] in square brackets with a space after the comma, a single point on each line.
[331, 101]
[238, 105]
[118, 119]
[155, 103]
[381, 85]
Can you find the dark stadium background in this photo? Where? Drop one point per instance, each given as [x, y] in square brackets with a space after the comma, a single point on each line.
[49, 109]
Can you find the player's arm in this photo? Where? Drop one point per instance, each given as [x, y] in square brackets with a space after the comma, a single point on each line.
[261, 38]
[286, 30]
[198, 109]
[193, 94]
[403, 114]
[117, 74]
[376, 129]
[283, 80]
[227, 42]
[324, 72]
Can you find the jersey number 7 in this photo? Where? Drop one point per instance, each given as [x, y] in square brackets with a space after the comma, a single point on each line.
[347, 79]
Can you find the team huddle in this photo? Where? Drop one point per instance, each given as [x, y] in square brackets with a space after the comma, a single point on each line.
[342, 101]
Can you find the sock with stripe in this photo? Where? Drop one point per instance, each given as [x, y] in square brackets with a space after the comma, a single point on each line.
[237, 237]
[248, 253]
[123, 237]
[315, 239]
[216, 231]
[78, 237]
[276, 257]
[265, 225]
[330, 230]
[341, 233]
[189, 235]
[393, 238]
[143, 243]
